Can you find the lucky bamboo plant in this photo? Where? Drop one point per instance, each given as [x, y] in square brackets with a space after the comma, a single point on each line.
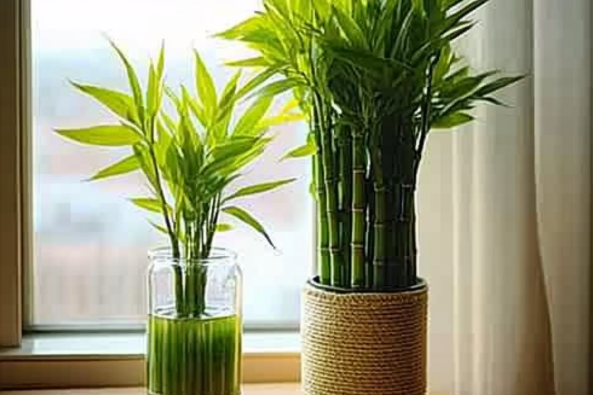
[189, 158]
[374, 78]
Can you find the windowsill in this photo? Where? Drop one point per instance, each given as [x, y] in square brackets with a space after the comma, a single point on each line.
[130, 345]
[254, 389]
[46, 361]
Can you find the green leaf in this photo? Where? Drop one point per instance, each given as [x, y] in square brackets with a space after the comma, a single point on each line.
[278, 87]
[322, 9]
[255, 82]
[153, 92]
[248, 219]
[253, 115]
[124, 166]
[301, 152]
[350, 28]
[497, 85]
[195, 107]
[149, 204]
[132, 78]
[233, 148]
[279, 120]
[259, 188]
[224, 111]
[205, 85]
[242, 30]
[104, 135]
[161, 62]
[143, 156]
[119, 103]
[160, 228]
[224, 227]
[451, 121]
[259, 61]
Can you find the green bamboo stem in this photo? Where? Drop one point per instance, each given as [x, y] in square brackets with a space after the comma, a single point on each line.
[370, 233]
[178, 286]
[413, 253]
[358, 210]
[331, 189]
[322, 237]
[194, 356]
[346, 203]
[380, 229]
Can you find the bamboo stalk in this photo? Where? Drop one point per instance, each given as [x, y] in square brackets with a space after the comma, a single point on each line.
[380, 229]
[346, 203]
[196, 356]
[370, 233]
[322, 240]
[358, 210]
[331, 187]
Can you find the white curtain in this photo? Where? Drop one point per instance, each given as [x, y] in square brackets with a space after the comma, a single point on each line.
[505, 213]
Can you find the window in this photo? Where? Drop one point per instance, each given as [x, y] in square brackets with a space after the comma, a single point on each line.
[89, 243]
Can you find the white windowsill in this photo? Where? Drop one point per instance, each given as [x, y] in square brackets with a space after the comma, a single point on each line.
[86, 360]
[132, 345]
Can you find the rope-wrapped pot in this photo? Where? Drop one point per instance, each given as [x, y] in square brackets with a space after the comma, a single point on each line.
[364, 343]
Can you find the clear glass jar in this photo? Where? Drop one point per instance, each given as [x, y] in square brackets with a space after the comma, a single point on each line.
[194, 328]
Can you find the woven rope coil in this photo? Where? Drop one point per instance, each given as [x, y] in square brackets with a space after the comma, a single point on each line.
[364, 343]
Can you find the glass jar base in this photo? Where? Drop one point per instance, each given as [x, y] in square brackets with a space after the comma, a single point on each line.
[194, 356]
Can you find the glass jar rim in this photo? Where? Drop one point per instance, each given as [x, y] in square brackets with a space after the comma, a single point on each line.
[218, 255]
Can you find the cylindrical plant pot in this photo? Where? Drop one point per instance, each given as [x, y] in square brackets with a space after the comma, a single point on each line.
[358, 343]
[194, 325]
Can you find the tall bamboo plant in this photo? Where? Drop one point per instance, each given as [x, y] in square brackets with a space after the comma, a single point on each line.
[189, 158]
[374, 78]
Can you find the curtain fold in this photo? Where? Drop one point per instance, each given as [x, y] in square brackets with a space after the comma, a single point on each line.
[520, 212]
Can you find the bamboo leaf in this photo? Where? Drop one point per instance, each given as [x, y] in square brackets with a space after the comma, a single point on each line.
[143, 157]
[243, 30]
[149, 204]
[278, 87]
[224, 227]
[224, 111]
[259, 61]
[248, 219]
[119, 103]
[252, 116]
[160, 228]
[124, 166]
[301, 152]
[255, 82]
[104, 135]
[132, 79]
[497, 85]
[195, 107]
[259, 188]
[279, 120]
[161, 62]
[350, 28]
[233, 148]
[205, 85]
[280, 6]
[322, 9]
[451, 121]
[153, 92]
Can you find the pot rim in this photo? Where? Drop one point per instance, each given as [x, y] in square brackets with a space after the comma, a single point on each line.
[420, 285]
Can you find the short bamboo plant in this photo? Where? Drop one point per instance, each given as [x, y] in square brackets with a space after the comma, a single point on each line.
[189, 157]
[374, 78]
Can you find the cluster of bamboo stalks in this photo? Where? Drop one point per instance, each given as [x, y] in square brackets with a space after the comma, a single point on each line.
[374, 77]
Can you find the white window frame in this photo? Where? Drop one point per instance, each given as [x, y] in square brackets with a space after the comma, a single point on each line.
[54, 360]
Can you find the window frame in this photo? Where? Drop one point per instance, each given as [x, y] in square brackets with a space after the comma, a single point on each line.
[11, 128]
[20, 365]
